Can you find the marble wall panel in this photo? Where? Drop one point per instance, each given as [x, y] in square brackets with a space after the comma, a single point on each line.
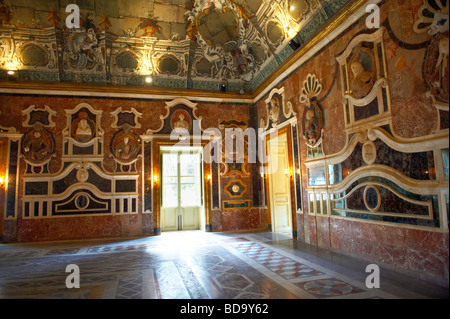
[242, 219]
[115, 226]
[420, 251]
[413, 115]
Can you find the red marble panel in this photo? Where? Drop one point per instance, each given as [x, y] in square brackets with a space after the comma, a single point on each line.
[412, 249]
[68, 228]
[323, 232]
[300, 227]
[239, 219]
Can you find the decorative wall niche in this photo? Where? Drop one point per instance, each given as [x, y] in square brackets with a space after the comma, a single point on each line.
[277, 110]
[234, 155]
[203, 67]
[312, 116]
[128, 61]
[121, 117]
[168, 64]
[38, 143]
[38, 146]
[365, 89]
[126, 147]
[81, 187]
[126, 144]
[32, 54]
[181, 117]
[82, 134]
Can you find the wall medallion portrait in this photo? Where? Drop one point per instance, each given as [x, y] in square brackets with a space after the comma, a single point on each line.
[38, 145]
[125, 146]
[364, 84]
[181, 120]
[362, 72]
[274, 110]
[83, 128]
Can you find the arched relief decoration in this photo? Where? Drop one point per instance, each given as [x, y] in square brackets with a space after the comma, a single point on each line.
[121, 117]
[365, 90]
[181, 117]
[35, 114]
[277, 110]
[82, 186]
[82, 134]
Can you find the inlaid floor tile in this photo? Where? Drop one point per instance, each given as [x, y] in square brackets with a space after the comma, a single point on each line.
[183, 265]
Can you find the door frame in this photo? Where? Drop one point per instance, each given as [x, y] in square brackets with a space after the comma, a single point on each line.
[287, 129]
[157, 144]
[4, 154]
[180, 151]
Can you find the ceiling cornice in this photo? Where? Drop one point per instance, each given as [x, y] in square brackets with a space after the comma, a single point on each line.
[349, 14]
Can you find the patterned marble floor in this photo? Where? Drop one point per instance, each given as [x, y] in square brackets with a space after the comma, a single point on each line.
[194, 265]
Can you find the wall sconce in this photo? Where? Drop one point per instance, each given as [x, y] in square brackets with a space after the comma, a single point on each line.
[2, 181]
[208, 177]
[155, 179]
[286, 171]
[262, 171]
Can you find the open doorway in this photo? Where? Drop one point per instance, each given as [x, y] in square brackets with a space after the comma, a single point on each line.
[280, 184]
[182, 198]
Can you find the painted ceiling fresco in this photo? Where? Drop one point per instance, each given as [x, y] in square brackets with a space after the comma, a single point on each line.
[231, 45]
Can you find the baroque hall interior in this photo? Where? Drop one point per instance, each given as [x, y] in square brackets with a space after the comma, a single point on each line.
[292, 142]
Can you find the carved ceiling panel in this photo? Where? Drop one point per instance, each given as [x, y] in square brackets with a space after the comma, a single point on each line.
[180, 43]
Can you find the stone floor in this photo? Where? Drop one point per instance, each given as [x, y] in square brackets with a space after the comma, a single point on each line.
[196, 265]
